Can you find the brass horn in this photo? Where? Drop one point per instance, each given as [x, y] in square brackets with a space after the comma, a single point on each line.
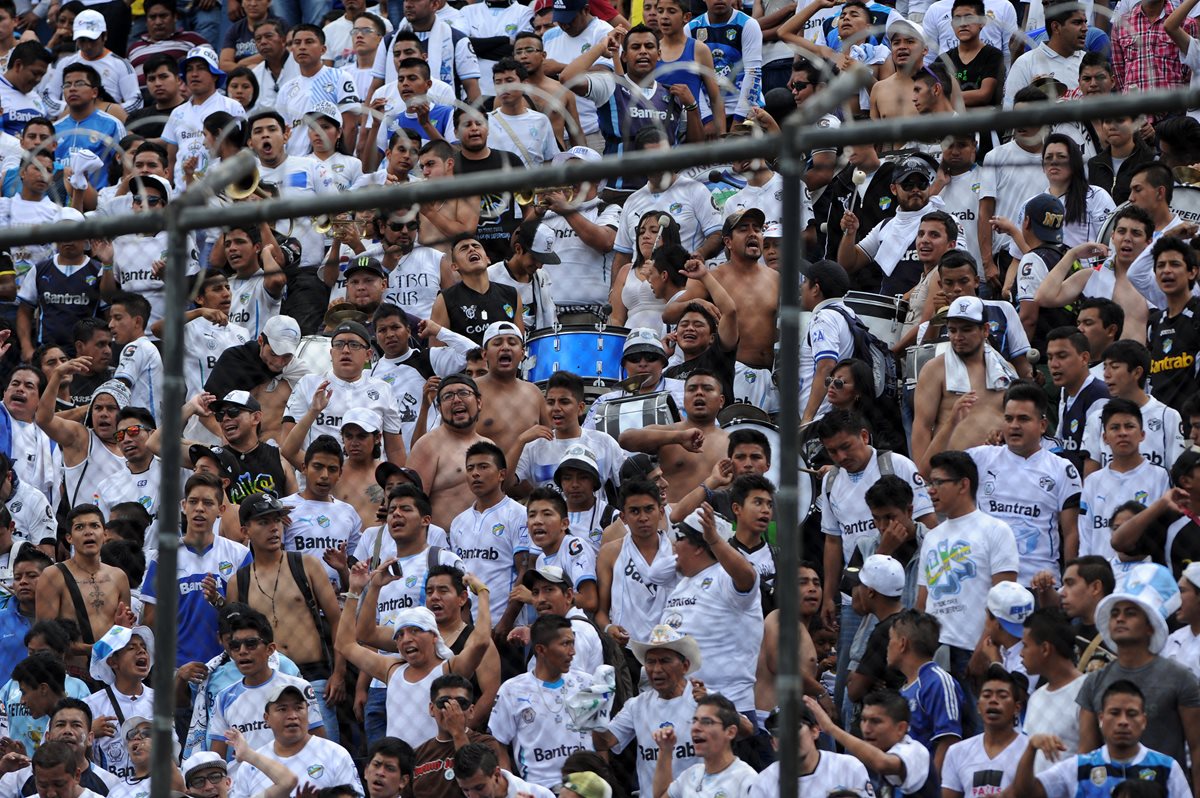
[322, 224]
[243, 188]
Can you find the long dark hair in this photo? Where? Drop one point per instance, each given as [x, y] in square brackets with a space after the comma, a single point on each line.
[1075, 200]
[669, 236]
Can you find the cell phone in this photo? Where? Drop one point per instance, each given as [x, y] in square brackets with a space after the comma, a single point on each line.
[396, 570]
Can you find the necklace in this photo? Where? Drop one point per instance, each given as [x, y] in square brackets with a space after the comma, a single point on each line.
[556, 709]
[271, 595]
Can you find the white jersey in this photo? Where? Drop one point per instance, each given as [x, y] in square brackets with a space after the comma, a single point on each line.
[116, 77]
[958, 559]
[1106, 490]
[696, 783]
[339, 41]
[33, 519]
[297, 96]
[564, 48]
[583, 275]
[435, 536]
[83, 479]
[365, 392]
[843, 503]
[320, 763]
[241, 707]
[530, 715]
[576, 558]
[409, 591]
[640, 589]
[969, 770]
[707, 606]
[185, 129]
[1028, 494]
[408, 372]
[689, 203]
[142, 488]
[252, 306]
[767, 198]
[1164, 439]
[36, 458]
[269, 85]
[493, 19]
[529, 136]
[130, 787]
[342, 170]
[1041, 60]
[1183, 646]
[827, 338]
[408, 705]
[315, 526]
[540, 458]
[647, 712]
[1010, 175]
[1000, 25]
[488, 541]
[16, 211]
[590, 524]
[961, 197]
[1054, 712]
[416, 281]
[109, 752]
[203, 343]
[833, 772]
[133, 268]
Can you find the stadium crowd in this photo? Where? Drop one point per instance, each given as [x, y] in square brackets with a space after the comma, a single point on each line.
[478, 496]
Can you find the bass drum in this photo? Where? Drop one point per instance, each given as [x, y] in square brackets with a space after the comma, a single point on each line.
[804, 482]
[915, 358]
[883, 315]
[634, 412]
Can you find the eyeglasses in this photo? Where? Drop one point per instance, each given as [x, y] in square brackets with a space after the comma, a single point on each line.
[77, 84]
[396, 227]
[915, 184]
[227, 412]
[353, 346]
[464, 394]
[196, 782]
[526, 50]
[445, 700]
[152, 200]
[132, 429]
[836, 382]
[137, 734]
[364, 31]
[248, 643]
[800, 85]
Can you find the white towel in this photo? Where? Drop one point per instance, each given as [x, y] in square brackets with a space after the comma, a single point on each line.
[999, 373]
[900, 233]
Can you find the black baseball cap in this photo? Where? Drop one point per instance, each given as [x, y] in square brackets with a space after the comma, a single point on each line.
[260, 505]
[385, 470]
[354, 328]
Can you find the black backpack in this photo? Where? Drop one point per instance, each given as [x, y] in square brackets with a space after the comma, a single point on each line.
[870, 349]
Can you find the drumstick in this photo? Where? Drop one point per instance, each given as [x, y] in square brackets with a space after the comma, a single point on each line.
[663, 221]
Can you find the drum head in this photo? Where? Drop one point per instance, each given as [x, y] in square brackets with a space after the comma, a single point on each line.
[804, 482]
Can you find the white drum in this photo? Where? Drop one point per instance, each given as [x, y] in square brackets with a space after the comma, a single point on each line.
[883, 315]
[635, 412]
[804, 483]
[915, 358]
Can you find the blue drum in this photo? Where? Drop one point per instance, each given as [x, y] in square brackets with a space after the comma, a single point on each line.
[591, 351]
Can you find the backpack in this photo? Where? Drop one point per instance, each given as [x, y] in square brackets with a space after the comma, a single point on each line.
[870, 349]
[295, 562]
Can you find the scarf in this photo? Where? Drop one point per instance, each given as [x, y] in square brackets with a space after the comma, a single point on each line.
[899, 234]
[999, 374]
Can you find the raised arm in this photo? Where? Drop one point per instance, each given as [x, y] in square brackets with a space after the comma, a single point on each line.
[283, 780]
[465, 663]
[378, 665]
[740, 570]
[1060, 287]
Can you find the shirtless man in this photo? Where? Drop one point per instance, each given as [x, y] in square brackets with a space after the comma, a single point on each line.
[94, 449]
[754, 286]
[688, 449]
[768, 663]
[361, 441]
[512, 404]
[546, 94]
[273, 591]
[937, 425]
[259, 366]
[83, 589]
[442, 221]
[893, 96]
[440, 455]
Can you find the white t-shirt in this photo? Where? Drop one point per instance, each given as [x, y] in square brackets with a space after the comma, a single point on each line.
[1041, 61]
[530, 715]
[365, 392]
[998, 29]
[564, 48]
[16, 211]
[1164, 440]
[185, 129]
[109, 752]
[638, 720]
[1184, 647]
[958, 559]
[315, 526]
[488, 542]
[961, 192]
[583, 276]
[833, 772]
[416, 281]
[320, 763]
[133, 268]
[142, 488]
[969, 770]
[1054, 712]
[707, 606]
[487, 19]
[1028, 493]
[1010, 176]
[116, 77]
[534, 144]
[767, 198]
[1106, 490]
[915, 757]
[696, 783]
[242, 707]
[296, 98]
[688, 202]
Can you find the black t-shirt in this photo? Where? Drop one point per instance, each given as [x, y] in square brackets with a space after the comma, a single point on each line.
[149, 121]
[987, 63]
[260, 470]
[1174, 346]
[499, 214]
[238, 368]
[470, 312]
[83, 385]
[717, 360]
[874, 660]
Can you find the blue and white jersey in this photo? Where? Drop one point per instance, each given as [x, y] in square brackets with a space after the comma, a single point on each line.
[221, 559]
[15, 721]
[222, 672]
[298, 96]
[736, 46]
[13, 626]
[98, 132]
[935, 700]
[1094, 775]
[242, 706]
[19, 107]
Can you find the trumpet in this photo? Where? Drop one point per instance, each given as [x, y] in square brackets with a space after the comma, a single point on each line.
[541, 196]
[246, 187]
[1187, 175]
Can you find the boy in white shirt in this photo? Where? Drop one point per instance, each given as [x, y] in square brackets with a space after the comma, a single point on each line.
[140, 366]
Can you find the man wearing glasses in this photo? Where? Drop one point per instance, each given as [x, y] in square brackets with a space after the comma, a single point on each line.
[322, 399]
[139, 480]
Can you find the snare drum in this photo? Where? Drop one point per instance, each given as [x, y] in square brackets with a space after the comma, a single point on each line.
[804, 483]
[883, 315]
[314, 352]
[591, 351]
[915, 358]
[635, 412]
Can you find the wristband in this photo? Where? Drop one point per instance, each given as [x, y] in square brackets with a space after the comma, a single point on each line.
[349, 595]
[691, 107]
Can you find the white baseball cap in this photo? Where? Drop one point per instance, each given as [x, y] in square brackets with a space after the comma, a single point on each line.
[89, 24]
[1010, 604]
[498, 328]
[542, 248]
[967, 308]
[362, 417]
[581, 153]
[883, 574]
[283, 334]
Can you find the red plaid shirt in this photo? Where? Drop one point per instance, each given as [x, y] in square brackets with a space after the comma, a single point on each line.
[1143, 55]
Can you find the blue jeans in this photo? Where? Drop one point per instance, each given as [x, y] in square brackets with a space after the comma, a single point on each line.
[293, 12]
[207, 23]
[375, 714]
[848, 623]
[328, 716]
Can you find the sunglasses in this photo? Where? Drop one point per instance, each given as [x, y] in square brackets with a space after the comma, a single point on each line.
[915, 184]
[137, 734]
[196, 782]
[396, 227]
[445, 700]
[800, 85]
[132, 429]
[248, 643]
[836, 382]
[642, 357]
[227, 412]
